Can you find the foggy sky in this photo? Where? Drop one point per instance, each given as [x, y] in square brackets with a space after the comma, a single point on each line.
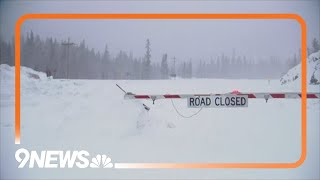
[184, 39]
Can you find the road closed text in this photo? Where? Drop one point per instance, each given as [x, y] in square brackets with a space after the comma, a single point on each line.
[223, 101]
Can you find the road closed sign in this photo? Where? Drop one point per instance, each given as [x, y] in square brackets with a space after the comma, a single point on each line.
[218, 101]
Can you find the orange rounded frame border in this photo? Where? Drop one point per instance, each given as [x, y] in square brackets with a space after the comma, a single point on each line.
[178, 16]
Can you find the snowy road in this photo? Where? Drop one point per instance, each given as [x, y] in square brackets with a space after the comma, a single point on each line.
[93, 115]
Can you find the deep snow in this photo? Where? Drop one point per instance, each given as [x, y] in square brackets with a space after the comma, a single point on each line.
[92, 115]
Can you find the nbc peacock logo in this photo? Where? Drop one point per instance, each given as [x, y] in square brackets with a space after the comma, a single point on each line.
[101, 161]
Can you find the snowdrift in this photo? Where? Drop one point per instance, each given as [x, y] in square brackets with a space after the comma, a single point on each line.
[313, 71]
[7, 73]
[28, 77]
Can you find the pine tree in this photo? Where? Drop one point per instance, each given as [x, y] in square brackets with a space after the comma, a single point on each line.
[106, 63]
[295, 60]
[190, 69]
[147, 61]
[315, 45]
[164, 67]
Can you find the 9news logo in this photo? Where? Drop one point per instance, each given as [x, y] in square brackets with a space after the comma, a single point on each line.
[61, 159]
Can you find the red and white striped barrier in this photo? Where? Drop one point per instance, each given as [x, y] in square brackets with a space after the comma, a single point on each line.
[287, 95]
[191, 97]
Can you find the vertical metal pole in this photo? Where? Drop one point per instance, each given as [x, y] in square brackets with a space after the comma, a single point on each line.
[68, 44]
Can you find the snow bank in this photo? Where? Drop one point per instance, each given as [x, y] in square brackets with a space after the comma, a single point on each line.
[313, 71]
[34, 83]
[29, 79]
[7, 73]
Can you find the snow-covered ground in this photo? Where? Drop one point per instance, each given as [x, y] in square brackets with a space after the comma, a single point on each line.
[92, 115]
[313, 71]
